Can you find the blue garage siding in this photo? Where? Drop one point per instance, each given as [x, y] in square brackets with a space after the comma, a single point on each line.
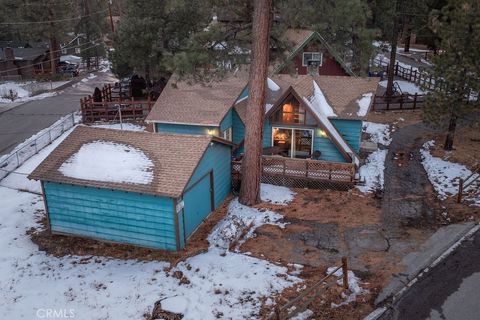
[351, 130]
[182, 128]
[227, 121]
[327, 148]
[117, 216]
[238, 133]
[216, 158]
[198, 204]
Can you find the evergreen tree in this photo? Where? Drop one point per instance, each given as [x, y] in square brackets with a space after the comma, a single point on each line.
[456, 70]
[152, 33]
[92, 27]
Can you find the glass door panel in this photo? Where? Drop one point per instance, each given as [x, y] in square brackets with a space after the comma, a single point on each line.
[302, 144]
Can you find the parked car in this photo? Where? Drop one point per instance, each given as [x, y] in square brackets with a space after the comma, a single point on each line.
[70, 69]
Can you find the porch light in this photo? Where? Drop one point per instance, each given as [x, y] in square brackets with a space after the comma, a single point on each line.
[322, 133]
[212, 132]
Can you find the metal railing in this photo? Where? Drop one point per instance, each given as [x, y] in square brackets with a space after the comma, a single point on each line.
[31, 146]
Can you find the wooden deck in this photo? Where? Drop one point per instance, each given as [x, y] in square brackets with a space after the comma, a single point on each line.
[112, 108]
[301, 173]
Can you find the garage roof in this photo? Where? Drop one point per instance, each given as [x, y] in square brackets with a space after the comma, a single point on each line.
[174, 157]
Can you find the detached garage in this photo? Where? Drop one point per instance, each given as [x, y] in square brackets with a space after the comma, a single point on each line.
[140, 188]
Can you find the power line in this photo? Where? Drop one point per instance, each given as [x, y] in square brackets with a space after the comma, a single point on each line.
[51, 21]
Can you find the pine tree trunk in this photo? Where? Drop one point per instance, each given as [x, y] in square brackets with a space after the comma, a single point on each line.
[451, 133]
[252, 161]
[393, 52]
[53, 54]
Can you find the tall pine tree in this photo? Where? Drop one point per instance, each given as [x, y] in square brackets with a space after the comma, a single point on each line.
[456, 70]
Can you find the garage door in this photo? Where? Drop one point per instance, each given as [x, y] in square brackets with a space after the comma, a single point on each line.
[198, 204]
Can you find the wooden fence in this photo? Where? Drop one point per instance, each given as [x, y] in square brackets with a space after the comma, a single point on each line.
[113, 108]
[401, 102]
[301, 173]
[411, 74]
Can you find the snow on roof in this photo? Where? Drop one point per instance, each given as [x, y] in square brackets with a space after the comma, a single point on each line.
[320, 103]
[364, 104]
[109, 162]
[272, 85]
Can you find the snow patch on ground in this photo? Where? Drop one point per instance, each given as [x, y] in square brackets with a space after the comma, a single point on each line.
[364, 103]
[225, 285]
[373, 169]
[110, 162]
[303, 315]
[25, 91]
[276, 194]
[240, 224]
[353, 285]
[379, 132]
[443, 175]
[405, 86]
[90, 77]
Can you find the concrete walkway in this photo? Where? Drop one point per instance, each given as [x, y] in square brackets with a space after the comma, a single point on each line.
[24, 120]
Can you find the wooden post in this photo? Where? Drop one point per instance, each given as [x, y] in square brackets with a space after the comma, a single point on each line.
[401, 102]
[415, 100]
[345, 272]
[460, 191]
[411, 73]
[396, 68]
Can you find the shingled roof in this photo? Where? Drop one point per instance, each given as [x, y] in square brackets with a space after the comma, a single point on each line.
[342, 92]
[182, 102]
[174, 158]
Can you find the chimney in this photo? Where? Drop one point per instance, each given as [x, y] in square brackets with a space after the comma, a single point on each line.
[9, 53]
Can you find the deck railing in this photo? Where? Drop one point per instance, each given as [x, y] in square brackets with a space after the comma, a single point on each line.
[113, 108]
[301, 173]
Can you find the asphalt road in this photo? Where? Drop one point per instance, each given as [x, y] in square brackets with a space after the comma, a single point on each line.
[23, 121]
[450, 291]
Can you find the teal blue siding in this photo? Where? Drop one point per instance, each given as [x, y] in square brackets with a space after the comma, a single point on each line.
[216, 158]
[351, 130]
[244, 94]
[238, 129]
[182, 128]
[327, 148]
[267, 134]
[111, 215]
[198, 204]
[227, 121]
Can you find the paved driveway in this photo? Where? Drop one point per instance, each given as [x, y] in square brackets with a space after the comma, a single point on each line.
[23, 121]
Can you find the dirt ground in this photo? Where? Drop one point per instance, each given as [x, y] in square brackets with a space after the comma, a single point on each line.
[323, 226]
[466, 146]
[397, 118]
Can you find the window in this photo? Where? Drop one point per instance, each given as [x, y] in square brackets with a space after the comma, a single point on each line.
[64, 51]
[312, 59]
[77, 50]
[291, 112]
[227, 134]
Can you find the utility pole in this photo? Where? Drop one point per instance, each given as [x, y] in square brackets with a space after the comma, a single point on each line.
[110, 13]
[393, 49]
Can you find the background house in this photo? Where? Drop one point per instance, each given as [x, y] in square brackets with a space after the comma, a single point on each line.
[140, 188]
[311, 54]
[23, 63]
